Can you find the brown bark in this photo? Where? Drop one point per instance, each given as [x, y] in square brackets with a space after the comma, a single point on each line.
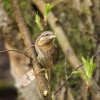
[41, 80]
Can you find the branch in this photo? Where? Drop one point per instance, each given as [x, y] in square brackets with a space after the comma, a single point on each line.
[72, 75]
[41, 80]
[17, 52]
[92, 35]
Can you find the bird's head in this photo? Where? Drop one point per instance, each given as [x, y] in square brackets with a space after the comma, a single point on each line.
[46, 38]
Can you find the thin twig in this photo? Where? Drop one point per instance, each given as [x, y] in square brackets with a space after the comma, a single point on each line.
[92, 35]
[17, 52]
[72, 75]
[66, 80]
[87, 92]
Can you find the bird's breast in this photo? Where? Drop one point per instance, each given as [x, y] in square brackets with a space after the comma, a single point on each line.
[45, 59]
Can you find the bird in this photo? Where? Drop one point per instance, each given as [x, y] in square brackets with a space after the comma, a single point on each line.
[46, 56]
[46, 49]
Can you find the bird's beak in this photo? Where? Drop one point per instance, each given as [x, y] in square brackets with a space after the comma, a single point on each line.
[52, 37]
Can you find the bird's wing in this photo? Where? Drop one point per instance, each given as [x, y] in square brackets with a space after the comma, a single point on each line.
[53, 51]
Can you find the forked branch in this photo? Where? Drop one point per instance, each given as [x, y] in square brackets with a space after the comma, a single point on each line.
[41, 80]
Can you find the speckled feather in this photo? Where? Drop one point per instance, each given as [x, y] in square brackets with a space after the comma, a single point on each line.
[46, 57]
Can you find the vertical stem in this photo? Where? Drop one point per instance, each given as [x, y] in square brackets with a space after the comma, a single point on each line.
[87, 92]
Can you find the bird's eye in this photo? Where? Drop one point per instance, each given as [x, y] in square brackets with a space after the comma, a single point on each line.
[47, 35]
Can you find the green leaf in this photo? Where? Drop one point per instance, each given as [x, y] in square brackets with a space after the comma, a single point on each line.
[37, 20]
[92, 66]
[47, 10]
[89, 67]
[84, 63]
[83, 59]
[78, 72]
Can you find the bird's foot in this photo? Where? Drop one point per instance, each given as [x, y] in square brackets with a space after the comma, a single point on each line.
[42, 70]
[45, 71]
